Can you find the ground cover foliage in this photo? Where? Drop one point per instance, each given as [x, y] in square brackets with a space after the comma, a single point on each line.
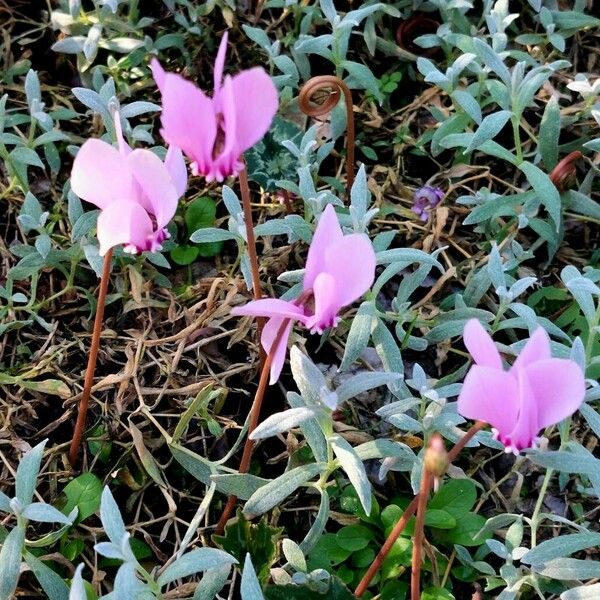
[477, 143]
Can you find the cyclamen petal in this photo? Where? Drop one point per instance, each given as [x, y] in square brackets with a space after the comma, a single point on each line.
[136, 191]
[339, 270]
[215, 132]
[100, 175]
[124, 223]
[537, 391]
[481, 346]
[328, 232]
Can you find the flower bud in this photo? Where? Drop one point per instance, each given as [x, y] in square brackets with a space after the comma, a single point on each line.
[436, 457]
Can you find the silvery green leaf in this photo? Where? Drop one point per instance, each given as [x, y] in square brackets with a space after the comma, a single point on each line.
[45, 513]
[121, 44]
[355, 17]
[250, 586]
[544, 188]
[560, 547]
[578, 355]
[212, 234]
[389, 353]
[53, 584]
[468, 104]
[10, 559]
[93, 257]
[498, 548]
[318, 526]
[328, 10]
[307, 44]
[27, 473]
[363, 76]
[32, 88]
[193, 562]
[431, 72]
[274, 492]
[293, 554]
[127, 585]
[84, 224]
[110, 515]
[491, 59]
[361, 382]
[109, 550]
[583, 592]
[383, 448]
[591, 416]
[77, 591]
[4, 503]
[43, 245]
[284, 421]
[517, 288]
[242, 485]
[549, 133]
[359, 194]
[568, 569]
[408, 256]
[27, 156]
[231, 202]
[308, 377]
[137, 108]
[92, 100]
[490, 127]
[310, 429]
[212, 583]
[354, 468]
[359, 334]
[69, 45]
[258, 36]
[90, 46]
[583, 204]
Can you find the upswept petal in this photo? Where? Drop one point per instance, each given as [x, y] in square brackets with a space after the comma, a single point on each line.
[175, 164]
[526, 429]
[123, 222]
[351, 261]
[219, 64]
[100, 175]
[156, 185]
[325, 301]
[558, 386]
[158, 74]
[124, 147]
[257, 102]
[225, 163]
[328, 232]
[480, 345]
[536, 348]
[490, 395]
[267, 339]
[270, 307]
[188, 119]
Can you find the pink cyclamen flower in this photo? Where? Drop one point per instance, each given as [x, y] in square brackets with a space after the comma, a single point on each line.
[215, 132]
[136, 192]
[339, 270]
[426, 199]
[537, 391]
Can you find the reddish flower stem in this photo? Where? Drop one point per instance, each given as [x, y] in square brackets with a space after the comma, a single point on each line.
[309, 106]
[251, 242]
[407, 514]
[254, 417]
[91, 366]
[415, 573]
[289, 209]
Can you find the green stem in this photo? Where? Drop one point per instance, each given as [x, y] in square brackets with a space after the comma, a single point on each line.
[517, 136]
[538, 506]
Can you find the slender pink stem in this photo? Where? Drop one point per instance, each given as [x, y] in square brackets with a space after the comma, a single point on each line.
[91, 366]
